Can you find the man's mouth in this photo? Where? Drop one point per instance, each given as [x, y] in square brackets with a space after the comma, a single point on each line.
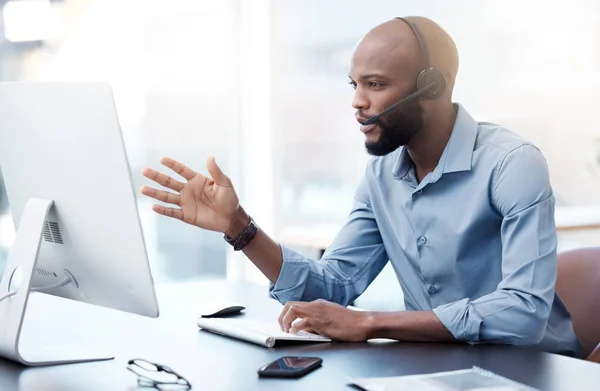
[366, 129]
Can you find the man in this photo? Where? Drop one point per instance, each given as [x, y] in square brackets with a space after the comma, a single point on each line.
[463, 210]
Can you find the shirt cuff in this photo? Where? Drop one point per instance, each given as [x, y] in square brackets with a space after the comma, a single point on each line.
[461, 319]
[293, 277]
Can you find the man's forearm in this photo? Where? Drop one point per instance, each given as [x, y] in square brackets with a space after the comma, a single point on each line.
[263, 251]
[423, 326]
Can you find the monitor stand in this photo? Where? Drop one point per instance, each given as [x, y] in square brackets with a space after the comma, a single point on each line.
[23, 256]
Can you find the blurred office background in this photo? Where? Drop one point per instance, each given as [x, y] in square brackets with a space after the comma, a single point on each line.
[262, 85]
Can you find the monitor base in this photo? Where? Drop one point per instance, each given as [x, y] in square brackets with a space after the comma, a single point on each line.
[22, 258]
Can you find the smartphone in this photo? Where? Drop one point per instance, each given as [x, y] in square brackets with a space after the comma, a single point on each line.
[290, 366]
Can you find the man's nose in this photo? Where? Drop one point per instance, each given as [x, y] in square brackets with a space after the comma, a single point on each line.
[360, 102]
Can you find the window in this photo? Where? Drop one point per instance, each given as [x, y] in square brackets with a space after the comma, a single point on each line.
[262, 85]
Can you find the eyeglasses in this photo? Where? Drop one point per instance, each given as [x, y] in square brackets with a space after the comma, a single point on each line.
[157, 376]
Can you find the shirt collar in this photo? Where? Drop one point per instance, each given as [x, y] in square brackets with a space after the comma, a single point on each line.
[458, 153]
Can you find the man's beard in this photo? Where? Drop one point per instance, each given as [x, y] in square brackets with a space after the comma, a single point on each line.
[397, 128]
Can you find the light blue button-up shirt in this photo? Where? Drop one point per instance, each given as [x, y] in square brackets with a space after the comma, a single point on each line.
[474, 241]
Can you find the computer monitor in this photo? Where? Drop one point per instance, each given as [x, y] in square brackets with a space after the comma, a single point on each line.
[71, 196]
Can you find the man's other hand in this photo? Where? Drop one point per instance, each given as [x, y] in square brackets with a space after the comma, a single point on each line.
[207, 202]
[325, 318]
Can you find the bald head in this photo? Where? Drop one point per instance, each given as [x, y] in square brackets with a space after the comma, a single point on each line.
[393, 48]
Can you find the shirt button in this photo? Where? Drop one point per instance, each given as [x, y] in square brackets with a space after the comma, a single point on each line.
[419, 191]
[422, 240]
[432, 289]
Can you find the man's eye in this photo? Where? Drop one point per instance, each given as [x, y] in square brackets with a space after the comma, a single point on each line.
[375, 84]
[352, 84]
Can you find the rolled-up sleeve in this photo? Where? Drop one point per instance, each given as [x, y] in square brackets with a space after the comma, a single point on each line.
[349, 265]
[518, 310]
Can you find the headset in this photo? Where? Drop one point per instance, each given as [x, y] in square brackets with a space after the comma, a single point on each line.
[431, 83]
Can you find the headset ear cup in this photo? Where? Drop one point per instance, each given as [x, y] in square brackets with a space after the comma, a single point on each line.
[435, 79]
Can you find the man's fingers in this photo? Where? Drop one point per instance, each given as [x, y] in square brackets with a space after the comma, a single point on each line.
[162, 179]
[215, 172]
[303, 324]
[161, 195]
[296, 311]
[179, 168]
[284, 311]
[170, 212]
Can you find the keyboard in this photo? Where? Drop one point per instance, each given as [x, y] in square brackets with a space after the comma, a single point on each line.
[256, 331]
